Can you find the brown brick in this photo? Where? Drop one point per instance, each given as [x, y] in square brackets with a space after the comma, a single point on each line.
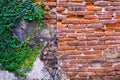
[77, 0]
[50, 21]
[84, 21]
[71, 21]
[102, 3]
[73, 52]
[104, 12]
[99, 47]
[67, 39]
[117, 67]
[60, 53]
[110, 78]
[116, 3]
[104, 16]
[90, 17]
[77, 43]
[106, 64]
[60, 25]
[92, 38]
[75, 78]
[86, 57]
[50, 3]
[93, 8]
[89, 30]
[81, 12]
[63, 48]
[67, 31]
[83, 47]
[60, 9]
[89, 52]
[94, 25]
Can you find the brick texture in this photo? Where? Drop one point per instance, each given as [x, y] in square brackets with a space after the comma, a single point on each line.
[88, 37]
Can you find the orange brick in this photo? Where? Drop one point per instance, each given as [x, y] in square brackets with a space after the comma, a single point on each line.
[90, 17]
[63, 48]
[60, 9]
[88, 52]
[71, 21]
[50, 21]
[60, 53]
[89, 30]
[73, 52]
[60, 25]
[93, 8]
[77, 0]
[99, 47]
[67, 39]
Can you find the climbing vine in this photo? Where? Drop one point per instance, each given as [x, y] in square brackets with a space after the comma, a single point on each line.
[15, 56]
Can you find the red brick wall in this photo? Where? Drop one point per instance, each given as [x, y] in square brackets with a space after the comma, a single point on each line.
[88, 37]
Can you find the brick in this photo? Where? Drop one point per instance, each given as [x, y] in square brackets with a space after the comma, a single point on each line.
[50, 3]
[73, 26]
[104, 16]
[63, 48]
[83, 48]
[70, 74]
[90, 17]
[80, 61]
[77, 43]
[67, 31]
[107, 21]
[83, 74]
[60, 25]
[110, 78]
[71, 21]
[104, 38]
[106, 64]
[82, 38]
[89, 0]
[117, 12]
[91, 43]
[102, 3]
[112, 42]
[60, 9]
[92, 38]
[116, 3]
[77, 0]
[93, 61]
[94, 21]
[74, 52]
[93, 8]
[62, 34]
[117, 67]
[89, 52]
[74, 78]
[67, 39]
[118, 72]
[84, 21]
[61, 17]
[94, 25]
[113, 25]
[75, 35]
[64, 57]
[71, 4]
[86, 57]
[63, 43]
[81, 13]
[99, 47]
[96, 69]
[50, 21]
[50, 16]
[104, 12]
[60, 53]
[46, 7]
[117, 77]
[89, 30]
[96, 34]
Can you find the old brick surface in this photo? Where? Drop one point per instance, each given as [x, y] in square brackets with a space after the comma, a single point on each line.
[87, 29]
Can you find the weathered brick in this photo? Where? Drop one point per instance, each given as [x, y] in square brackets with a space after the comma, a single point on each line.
[105, 16]
[86, 57]
[71, 21]
[89, 30]
[67, 39]
[60, 9]
[110, 78]
[50, 21]
[77, 0]
[99, 47]
[90, 17]
[67, 31]
[74, 52]
[75, 78]
[102, 3]
[89, 52]
[63, 48]
[94, 25]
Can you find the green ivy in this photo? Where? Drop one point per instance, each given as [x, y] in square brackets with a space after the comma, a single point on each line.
[15, 56]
